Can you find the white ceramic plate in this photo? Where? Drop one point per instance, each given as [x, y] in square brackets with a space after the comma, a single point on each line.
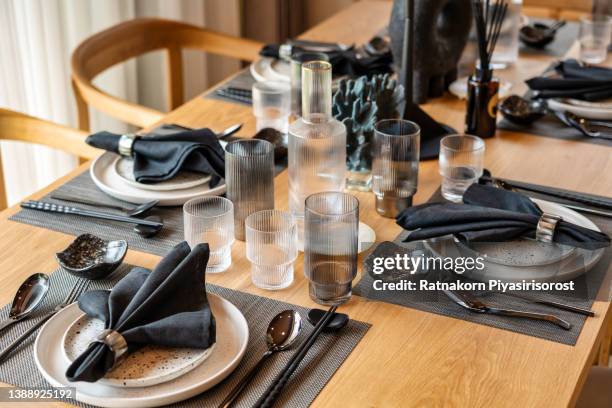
[106, 179]
[271, 69]
[584, 109]
[124, 167]
[232, 339]
[147, 366]
[568, 267]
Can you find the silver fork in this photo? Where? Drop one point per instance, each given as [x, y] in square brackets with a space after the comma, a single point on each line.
[77, 289]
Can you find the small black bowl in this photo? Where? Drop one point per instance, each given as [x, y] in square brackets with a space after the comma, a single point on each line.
[520, 111]
[91, 257]
[278, 139]
[536, 35]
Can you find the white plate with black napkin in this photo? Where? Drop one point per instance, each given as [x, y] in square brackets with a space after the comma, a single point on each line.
[232, 338]
[106, 178]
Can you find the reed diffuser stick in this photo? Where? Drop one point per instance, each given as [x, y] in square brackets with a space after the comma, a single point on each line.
[488, 19]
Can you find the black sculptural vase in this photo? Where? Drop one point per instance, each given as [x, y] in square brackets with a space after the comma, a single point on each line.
[441, 29]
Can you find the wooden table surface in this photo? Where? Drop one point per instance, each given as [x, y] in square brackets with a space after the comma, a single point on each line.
[409, 357]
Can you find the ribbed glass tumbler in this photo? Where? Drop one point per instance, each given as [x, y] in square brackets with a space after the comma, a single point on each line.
[330, 246]
[249, 177]
[271, 241]
[395, 165]
[211, 220]
[461, 163]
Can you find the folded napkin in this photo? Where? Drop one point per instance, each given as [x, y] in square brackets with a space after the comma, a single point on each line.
[167, 307]
[160, 158]
[574, 81]
[344, 62]
[491, 214]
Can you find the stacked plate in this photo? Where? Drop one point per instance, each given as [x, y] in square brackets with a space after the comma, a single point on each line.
[113, 174]
[151, 376]
[590, 110]
[524, 259]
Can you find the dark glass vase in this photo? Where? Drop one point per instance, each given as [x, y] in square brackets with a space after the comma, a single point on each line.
[481, 114]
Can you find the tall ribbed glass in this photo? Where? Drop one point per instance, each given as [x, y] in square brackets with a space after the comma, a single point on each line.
[296, 76]
[461, 162]
[249, 176]
[317, 143]
[211, 220]
[331, 232]
[271, 242]
[395, 166]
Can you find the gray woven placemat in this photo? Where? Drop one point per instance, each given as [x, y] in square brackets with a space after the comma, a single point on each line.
[325, 357]
[244, 80]
[587, 287]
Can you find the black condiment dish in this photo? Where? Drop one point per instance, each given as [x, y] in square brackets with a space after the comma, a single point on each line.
[91, 257]
[278, 139]
[522, 111]
[539, 35]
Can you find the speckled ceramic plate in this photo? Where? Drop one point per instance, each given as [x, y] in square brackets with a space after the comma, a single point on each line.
[148, 366]
[232, 340]
[124, 167]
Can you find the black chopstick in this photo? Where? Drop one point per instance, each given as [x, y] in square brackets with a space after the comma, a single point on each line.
[273, 391]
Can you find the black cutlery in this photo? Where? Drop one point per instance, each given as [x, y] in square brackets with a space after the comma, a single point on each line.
[274, 390]
[558, 305]
[586, 126]
[549, 191]
[477, 306]
[61, 209]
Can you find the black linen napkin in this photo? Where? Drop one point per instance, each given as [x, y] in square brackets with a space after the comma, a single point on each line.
[167, 306]
[574, 80]
[490, 214]
[344, 62]
[160, 158]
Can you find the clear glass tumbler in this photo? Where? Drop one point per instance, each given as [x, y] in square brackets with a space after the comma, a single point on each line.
[249, 176]
[297, 60]
[594, 38]
[211, 220]
[461, 161]
[271, 246]
[272, 105]
[330, 246]
[395, 167]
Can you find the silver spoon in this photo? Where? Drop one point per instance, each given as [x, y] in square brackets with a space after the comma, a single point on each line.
[282, 332]
[229, 131]
[29, 296]
[130, 212]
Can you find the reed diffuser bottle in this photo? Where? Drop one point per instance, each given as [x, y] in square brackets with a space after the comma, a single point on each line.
[317, 143]
[483, 88]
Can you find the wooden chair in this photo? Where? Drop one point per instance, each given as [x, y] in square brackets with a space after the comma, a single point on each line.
[136, 37]
[18, 127]
[558, 9]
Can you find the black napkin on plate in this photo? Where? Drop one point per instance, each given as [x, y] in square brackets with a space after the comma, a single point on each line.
[573, 80]
[491, 214]
[167, 306]
[344, 62]
[160, 158]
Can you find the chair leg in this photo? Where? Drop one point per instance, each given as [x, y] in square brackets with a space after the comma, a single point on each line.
[3, 202]
[174, 63]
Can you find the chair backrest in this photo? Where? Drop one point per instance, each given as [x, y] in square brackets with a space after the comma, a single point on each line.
[558, 9]
[19, 127]
[136, 37]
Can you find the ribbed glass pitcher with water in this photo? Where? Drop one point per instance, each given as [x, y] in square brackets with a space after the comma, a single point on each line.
[317, 143]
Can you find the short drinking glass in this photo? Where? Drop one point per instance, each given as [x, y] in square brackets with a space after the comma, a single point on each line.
[271, 246]
[461, 162]
[249, 176]
[272, 105]
[211, 220]
[395, 166]
[330, 246]
[594, 38]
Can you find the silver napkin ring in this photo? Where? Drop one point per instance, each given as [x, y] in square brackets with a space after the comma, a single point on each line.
[115, 342]
[545, 230]
[285, 51]
[125, 144]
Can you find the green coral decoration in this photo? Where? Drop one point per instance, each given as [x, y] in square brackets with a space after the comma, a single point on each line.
[359, 104]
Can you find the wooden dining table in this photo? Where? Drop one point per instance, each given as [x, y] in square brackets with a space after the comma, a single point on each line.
[408, 357]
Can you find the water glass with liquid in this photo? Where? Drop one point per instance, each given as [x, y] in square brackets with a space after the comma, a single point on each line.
[272, 105]
[594, 38]
[461, 163]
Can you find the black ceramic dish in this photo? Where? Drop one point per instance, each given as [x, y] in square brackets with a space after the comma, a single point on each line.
[278, 139]
[522, 111]
[539, 35]
[91, 257]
